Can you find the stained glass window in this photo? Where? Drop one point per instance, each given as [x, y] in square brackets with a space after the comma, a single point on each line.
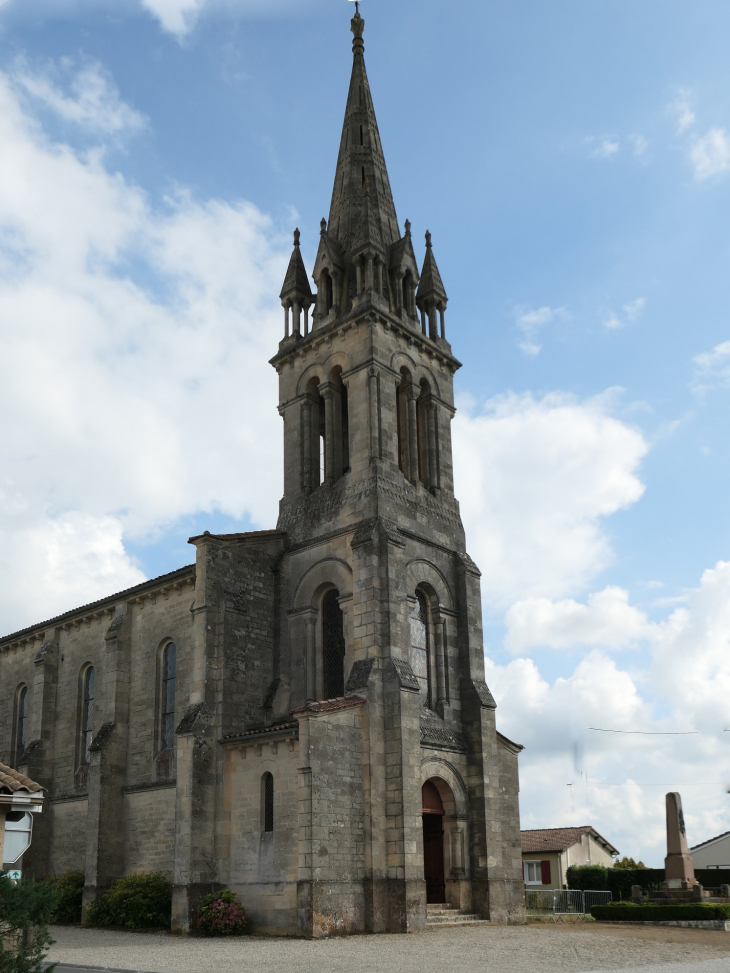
[169, 662]
[87, 715]
[22, 717]
[268, 798]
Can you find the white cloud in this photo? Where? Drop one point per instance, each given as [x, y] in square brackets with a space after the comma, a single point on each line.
[175, 16]
[711, 154]
[631, 312]
[680, 684]
[530, 322]
[712, 368]
[606, 620]
[605, 149]
[91, 101]
[124, 327]
[535, 477]
[179, 17]
[640, 145]
[681, 108]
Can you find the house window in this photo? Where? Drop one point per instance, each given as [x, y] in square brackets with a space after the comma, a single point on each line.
[20, 729]
[333, 646]
[537, 873]
[87, 715]
[420, 648]
[267, 801]
[169, 663]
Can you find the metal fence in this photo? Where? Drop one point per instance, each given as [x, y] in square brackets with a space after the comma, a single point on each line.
[557, 903]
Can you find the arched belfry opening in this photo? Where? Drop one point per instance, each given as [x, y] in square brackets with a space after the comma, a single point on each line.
[333, 646]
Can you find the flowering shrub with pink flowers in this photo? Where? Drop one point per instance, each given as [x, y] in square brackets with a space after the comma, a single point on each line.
[220, 915]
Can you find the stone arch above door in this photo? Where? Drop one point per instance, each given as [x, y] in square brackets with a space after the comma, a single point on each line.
[437, 767]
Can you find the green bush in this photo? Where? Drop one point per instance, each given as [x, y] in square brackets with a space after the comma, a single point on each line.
[588, 877]
[26, 908]
[657, 912]
[616, 880]
[70, 889]
[141, 901]
[220, 915]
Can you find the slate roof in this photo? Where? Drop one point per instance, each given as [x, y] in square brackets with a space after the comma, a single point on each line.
[11, 782]
[710, 841]
[558, 839]
[92, 606]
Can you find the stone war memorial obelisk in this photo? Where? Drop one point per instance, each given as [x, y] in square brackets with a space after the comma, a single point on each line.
[679, 870]
[680, 883]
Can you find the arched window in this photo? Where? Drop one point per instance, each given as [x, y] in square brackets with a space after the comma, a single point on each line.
[267, 803]
[20, 726]
[87, 714]
[167, 728]
[420, 648]
[333, 646]
[401, 406]
[328, 292]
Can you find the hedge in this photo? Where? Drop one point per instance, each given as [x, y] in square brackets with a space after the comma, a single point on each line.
[615, 880]
[70, 889]
[620, 880]
[140, 901]
[656, 912]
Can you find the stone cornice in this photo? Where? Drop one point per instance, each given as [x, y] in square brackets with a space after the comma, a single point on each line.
[370, 314]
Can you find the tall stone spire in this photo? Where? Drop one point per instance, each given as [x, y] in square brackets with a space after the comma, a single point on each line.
[361, 159]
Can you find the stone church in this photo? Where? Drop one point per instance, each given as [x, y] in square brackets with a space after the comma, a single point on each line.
[301, 714]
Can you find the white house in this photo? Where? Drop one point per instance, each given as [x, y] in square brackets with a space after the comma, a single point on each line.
[548, 853]
[713, 853]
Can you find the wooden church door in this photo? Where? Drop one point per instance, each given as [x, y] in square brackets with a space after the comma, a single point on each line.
[433, 844]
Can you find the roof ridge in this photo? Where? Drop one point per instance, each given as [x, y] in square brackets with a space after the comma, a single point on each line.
[178, 572]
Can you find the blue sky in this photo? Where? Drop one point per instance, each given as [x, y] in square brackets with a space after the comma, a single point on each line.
[572, 161]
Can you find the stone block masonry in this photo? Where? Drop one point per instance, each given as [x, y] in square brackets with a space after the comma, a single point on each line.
[302, 714]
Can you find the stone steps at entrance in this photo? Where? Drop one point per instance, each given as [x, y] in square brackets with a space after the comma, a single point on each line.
[446, 915]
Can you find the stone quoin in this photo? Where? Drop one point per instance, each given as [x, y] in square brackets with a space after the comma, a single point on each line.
[301, 715]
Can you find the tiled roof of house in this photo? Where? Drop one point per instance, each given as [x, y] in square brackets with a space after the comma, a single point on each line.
[276, 729]
[710, 840]
[11, 781]
[558, 839]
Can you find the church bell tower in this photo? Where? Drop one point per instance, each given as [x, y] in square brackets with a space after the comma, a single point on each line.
[380, 603]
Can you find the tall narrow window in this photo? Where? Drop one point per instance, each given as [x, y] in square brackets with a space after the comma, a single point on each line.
[87, 715]
[333, 646]
[399, 409]
[20, 730]
[420, 656]
[345, 430]
[169, 662]
[267, 800]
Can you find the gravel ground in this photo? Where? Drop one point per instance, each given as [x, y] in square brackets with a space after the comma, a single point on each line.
[491, 949]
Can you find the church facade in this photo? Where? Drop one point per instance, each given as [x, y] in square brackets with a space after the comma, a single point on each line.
[301, 715]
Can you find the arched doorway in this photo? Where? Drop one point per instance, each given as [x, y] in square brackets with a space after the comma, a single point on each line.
[433, 843]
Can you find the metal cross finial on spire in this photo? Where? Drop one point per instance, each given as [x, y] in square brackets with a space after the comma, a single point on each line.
[357, 27]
